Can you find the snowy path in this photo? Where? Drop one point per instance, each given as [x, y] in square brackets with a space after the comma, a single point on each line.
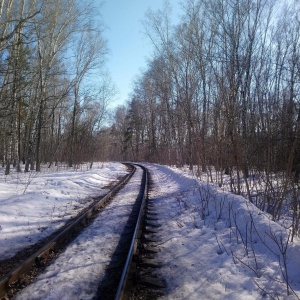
[197, 243]
[75, 274]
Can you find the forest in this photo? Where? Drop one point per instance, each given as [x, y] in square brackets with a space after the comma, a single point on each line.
[54, 90]
[220, 93]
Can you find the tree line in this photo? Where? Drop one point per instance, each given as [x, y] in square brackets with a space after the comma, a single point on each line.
[49, 51]
[220, 92]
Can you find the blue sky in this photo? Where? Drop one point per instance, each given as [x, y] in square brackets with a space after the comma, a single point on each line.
[128, 45]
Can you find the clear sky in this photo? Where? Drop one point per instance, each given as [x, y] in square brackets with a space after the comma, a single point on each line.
[128, 45]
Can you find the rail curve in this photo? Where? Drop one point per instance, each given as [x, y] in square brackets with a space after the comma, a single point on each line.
[37, 257]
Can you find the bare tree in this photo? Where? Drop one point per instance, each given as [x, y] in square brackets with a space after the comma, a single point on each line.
[90, 54]
[36, 86]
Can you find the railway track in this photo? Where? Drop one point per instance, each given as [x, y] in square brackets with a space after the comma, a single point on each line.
[124, 253]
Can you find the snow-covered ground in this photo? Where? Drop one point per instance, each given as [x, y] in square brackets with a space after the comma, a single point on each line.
[76, 273]
[214, 245]
[34, 205]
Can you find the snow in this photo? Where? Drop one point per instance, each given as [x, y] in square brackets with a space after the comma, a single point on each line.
[33, 205]
[214, 245]
[76, 272]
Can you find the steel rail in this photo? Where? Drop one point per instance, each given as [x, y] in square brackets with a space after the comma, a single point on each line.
[133, 246]
[36, 258]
